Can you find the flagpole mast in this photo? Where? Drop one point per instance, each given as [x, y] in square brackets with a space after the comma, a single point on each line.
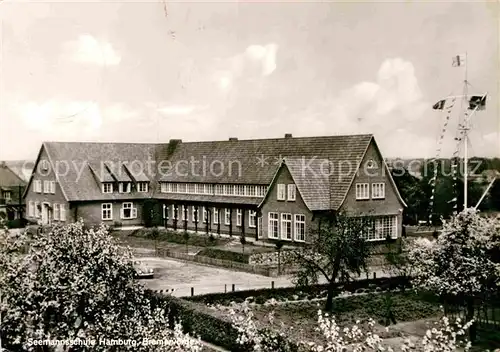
[466, 131]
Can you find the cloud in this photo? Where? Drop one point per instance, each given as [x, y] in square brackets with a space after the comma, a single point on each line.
[88, 50]
[256, 61]
[61, 119]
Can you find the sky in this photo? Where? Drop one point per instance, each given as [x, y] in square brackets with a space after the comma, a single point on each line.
[151, 71]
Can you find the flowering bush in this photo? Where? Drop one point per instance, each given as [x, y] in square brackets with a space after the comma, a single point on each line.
[76, 283]
[443, 337]
[460, 261]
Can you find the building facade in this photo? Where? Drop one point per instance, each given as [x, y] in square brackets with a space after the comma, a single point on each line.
[270, 189]
[12, 187]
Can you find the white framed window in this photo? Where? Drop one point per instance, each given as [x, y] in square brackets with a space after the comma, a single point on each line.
[251, 218]
[281, 191]
[251, 191]
[286, 226]
[228, 190]
[273, 225]
[62, 209]
[46, 186]
[7, 195]
[44, 164]
[219, 189]
[239, 216]
[163, 187]
[362, 191]
[191, 188]
[107, 211]
[53, 187]
[165, 211]
[261, 191]
[216, 215]
[300, 227]
[124, 187]
[107, 187]
[209, 189]
[37, 210]
[56, 211]
[227, 216]
[239, 190]
[382, 228]
[175, 212]
[183, 215]
[195, 214]
[378, 190]
[128, 211]
[31, 209]
[205, 215]
[291, 192]
[142, 187]
[37, 186]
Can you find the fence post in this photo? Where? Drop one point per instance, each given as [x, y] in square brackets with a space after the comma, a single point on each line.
[272, 284]
[233, 287]
[225, 288]
[192, 291]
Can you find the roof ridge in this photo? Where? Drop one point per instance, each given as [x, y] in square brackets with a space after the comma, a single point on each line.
[218, 141]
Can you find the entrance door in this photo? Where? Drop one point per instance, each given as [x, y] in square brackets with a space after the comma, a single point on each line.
[45, 214]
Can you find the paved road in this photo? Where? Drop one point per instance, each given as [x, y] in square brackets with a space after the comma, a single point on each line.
[181, 276]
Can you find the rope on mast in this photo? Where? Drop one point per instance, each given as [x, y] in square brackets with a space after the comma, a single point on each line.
[448, 109]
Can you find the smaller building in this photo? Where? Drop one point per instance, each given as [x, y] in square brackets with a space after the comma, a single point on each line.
[12, 187]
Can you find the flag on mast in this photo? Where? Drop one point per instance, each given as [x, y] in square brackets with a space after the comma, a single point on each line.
[458, 60]
[439, 105]
[477, 102]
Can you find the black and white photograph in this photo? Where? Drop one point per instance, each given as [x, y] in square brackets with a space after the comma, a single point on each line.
[249, 175]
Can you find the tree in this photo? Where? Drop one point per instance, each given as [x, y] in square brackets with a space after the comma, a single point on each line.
[243, 241]
[72, 282]
[413, 194]
[279, 246]
[462, 262]
[337, 249]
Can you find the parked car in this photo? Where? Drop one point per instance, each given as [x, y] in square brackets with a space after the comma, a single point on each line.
[142, 271]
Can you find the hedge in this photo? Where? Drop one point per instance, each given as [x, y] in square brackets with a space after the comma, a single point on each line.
[194, 321]
[262, 295]
[225, 255]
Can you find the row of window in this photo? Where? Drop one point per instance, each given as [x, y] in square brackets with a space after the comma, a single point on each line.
[280, 225]
[125, 187]
[193, 212]
[286, 190]
[58, 210]
[127, 211]
[49, 187]
[217, 189]
[7, 195]
[363, 191]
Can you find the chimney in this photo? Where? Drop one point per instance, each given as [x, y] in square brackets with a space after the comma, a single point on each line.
[233, 139]
[288, 135]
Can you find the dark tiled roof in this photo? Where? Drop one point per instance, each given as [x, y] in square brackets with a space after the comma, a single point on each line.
[9, 178]
[78, 157]
[244, 161]
[312, 180]
[208, 198]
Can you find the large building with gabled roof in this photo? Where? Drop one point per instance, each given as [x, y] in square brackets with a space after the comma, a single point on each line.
[12, 187]
[268, 188]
